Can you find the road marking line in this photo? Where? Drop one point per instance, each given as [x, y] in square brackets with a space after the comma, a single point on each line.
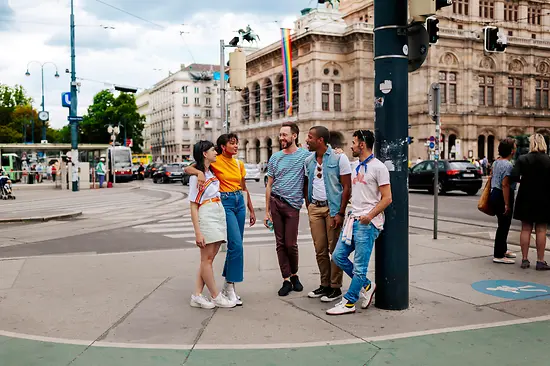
[275, 345]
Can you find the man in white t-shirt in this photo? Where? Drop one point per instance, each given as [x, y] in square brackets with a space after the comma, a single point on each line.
[371, 195]
[327, 190]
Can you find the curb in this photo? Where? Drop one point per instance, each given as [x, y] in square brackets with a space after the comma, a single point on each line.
[42, 219]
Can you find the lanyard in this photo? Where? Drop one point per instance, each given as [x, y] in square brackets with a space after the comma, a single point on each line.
[364, 163]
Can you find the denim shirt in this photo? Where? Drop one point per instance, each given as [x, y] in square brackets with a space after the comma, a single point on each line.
[331, 178]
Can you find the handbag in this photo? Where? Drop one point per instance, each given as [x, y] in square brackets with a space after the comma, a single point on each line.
[484, 205]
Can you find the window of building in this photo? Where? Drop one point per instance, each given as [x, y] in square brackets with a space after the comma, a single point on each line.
[185, 101]
[197, 90]
[511, 11]
[337, 98]
[447, 81]
[486, 91]
[461, 7]
[185, 124]
[208, 101]
[208, 113]
[542, 92]
[197, 125]
[534, 15]
[325, 97]
[184, 89]
[197, 101]
[515, 92]
[487, 9]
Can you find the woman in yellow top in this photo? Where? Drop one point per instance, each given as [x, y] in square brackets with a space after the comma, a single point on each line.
[231, 174]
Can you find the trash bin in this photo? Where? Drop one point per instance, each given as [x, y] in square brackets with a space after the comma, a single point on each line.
[30, 178]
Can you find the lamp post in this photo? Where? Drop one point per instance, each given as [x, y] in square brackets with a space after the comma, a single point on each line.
[114, 131]
[42, 64]
[73, 112]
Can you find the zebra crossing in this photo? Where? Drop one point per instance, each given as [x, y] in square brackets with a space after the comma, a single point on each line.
[181, 228]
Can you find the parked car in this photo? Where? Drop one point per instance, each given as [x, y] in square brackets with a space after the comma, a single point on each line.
[454, 175]
[168, 173]
[252, 172]
[183, 165]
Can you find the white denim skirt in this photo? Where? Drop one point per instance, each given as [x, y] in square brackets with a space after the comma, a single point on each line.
[212, 222]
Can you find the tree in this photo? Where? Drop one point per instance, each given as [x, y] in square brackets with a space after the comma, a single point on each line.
[12, 97]
[107, 109]
[16, 112]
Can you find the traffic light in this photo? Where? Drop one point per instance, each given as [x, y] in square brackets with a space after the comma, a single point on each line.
[433, 29]
[421, 9]
[443, 3]
[494, 40]
[410, 140]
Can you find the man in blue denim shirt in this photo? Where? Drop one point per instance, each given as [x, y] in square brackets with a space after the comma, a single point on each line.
[371, 195]
[327, 190]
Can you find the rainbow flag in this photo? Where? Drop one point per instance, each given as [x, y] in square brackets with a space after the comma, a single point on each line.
[286, 48]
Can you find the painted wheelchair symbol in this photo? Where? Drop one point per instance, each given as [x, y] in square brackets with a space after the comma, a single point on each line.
[515, 290]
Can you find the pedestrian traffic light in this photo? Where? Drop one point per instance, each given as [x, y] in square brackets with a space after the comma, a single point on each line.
[494, 40]
[419, 10]
[433, 29]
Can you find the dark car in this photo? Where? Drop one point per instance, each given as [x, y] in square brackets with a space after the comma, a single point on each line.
[168, 173]
[454, 175]
[151, 169]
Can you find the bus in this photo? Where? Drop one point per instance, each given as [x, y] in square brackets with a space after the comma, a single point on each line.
[122, 157]
[144, 159]
[12, 165]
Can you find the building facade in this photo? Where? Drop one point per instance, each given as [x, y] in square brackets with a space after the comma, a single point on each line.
[485, 97]
[182, 109]
[142, 103]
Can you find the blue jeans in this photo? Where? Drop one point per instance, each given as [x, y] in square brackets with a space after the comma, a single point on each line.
[101, 180]
[235, 213]
[362, 242]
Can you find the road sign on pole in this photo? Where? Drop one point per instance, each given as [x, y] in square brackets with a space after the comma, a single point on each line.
[434, 100]
[66, 100]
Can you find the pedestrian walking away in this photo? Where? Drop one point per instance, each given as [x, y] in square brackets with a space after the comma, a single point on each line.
[502, 200]
[532, 170]
[231, 175]
[284, 198]
[370, 196]
[327, 190]
[100, 171]
[208, 216]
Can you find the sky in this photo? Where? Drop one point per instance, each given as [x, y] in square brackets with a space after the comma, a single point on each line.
[114, 47]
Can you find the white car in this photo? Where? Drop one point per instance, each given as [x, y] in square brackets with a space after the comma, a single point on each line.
[252, 172]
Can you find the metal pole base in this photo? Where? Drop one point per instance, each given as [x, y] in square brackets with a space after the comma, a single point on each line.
[75, 186]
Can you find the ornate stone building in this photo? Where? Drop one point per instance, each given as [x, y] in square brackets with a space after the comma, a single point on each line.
[485, 97]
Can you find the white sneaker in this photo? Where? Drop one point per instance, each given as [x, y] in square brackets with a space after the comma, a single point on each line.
[201, 302]
[223, 302]
[504, 260]
[343, 307]
[367, 294]
[229, 292]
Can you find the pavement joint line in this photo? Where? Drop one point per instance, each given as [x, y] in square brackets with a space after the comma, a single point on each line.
[382, 338]
[119, 321]
[199, 335]
[452, 297]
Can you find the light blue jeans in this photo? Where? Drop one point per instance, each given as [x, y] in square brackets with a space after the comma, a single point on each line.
[362, 243]
[235, 214]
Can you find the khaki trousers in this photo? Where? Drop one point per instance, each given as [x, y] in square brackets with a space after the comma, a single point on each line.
[325, 239]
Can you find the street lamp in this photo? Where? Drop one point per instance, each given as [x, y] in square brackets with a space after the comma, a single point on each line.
[44, 117]
[113, 131]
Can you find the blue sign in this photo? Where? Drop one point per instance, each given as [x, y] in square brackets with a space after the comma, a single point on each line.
[217, 76]
[514, 290]
[432, 145]
[74, 119]
[66, 100]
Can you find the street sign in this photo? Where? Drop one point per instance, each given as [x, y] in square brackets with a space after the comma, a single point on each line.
[432, 139]
[515, 290]
[74, 119]
[66, 100]
[129, 142]
[432, 145]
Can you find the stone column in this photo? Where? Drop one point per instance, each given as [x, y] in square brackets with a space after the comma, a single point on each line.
[275, 145]
[263, 151]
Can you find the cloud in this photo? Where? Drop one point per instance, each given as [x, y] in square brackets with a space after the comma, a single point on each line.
[135, 53]
[6, 14]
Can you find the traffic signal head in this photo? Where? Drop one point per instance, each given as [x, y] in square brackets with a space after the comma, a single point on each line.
[433, 29]
[419, 10]
[442, 3]
[494, 40]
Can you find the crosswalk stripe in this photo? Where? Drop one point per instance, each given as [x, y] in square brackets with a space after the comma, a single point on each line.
[261, 239]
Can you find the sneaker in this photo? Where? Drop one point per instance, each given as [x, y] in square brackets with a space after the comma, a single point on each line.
[367, 294]
[201, 302]
[525, 264]
[343, 307]
[285, 290]
[542, 266]
[504, 260]
[296, 284]
[510, 255]
[321, 291]
[222, 301]
[334, 294]
[229, 292]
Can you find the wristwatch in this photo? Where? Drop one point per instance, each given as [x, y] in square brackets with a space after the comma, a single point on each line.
[341, 214]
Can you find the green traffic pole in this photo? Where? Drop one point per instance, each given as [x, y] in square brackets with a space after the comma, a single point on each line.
[391, 131]
[73, 112]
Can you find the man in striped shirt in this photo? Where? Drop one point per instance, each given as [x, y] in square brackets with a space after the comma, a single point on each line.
[283, 200]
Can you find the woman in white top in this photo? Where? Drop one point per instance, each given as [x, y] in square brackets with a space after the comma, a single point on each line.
[208, 216]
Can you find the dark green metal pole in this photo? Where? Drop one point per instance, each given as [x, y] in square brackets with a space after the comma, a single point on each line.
[73, 112]
[391, 130]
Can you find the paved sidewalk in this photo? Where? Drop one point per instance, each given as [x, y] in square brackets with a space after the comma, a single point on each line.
[132, 309]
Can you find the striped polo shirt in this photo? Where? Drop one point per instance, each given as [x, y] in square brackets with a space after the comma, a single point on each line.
[287, 171]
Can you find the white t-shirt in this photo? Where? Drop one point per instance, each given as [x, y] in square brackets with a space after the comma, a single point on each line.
[210, 190]
[319, 191]
[365, 191]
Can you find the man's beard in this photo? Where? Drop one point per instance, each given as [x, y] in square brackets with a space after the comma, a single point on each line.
[356, 154]
[286, 144]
